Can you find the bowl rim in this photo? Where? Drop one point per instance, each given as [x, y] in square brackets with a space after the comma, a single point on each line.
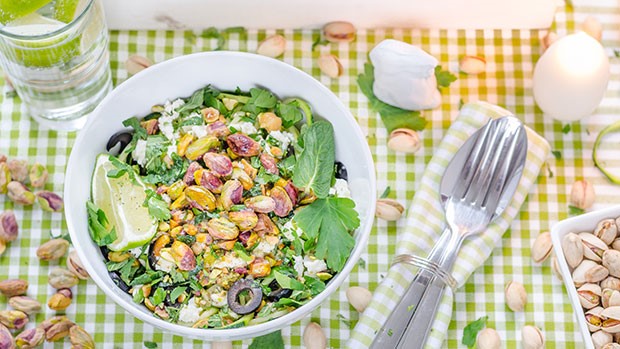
[558, 231]
[248, 331]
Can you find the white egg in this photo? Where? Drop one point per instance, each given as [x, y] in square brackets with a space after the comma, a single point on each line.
[571, 77]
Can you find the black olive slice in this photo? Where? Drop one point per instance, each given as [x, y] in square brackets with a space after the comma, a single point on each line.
[120, 138]
[255, 294]
[341, 171]
[278, 292]
[118, 281]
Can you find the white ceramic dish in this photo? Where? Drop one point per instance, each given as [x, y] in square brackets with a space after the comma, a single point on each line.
[179, 77]
[584, 222]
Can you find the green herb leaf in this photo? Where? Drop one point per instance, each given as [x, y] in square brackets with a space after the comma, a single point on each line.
[392, 117]
[186, 239]
[615, 127]
[330, 221]
[150, 345]
[314, 285]
[314, 167]
[262, 98]
[158, 208]
[195, 101]
[344, 320]
[557, 154]
[319, 41]
[139, 131]
[444, 77]
[147, 278]
[100, 229]
[213, 33]
[158, 296]
[287, 282]
[386, 192]
[174, 295]
[290, 113]
[575, 211]
[361, 263]
[241, 252]
[269, 341]
[166, 175]
[470, 332]
[566, 129]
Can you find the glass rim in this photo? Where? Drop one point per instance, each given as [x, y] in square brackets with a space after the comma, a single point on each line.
[52, 33]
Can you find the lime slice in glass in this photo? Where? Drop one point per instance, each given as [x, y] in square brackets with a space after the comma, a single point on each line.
[65, 10]
[121, 200]
[11, 10]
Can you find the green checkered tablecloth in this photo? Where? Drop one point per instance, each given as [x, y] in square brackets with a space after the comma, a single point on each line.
[507, 82]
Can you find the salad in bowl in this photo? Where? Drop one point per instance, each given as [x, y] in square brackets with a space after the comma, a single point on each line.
[222, 209]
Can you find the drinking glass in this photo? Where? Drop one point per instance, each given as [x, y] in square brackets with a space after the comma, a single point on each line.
[55, 54]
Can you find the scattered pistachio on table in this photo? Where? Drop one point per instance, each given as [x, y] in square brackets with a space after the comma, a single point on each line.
[516, 296]
[549, 39]
[80, 339]
[389, 209]
[582, 194]
[592, 27]
[18, 169]
[75, 266]
[330, 65]
[26, 304]
[13, 287]
[272, 46]
[359, 297]
[404, 140]
[472, 65]
[53, 249]
[5, 177]
[541, 248]
[58, 330]
[221, 345]
[314, 338]
[13, 319]
[135, 64]
[61, 300]
[532, 338]
[6, 338]
[20, 194]
[339, 31]
[8, 226]
[49, 201]
[60, 278]
[38, 175]
[488, 338]
[30, 338]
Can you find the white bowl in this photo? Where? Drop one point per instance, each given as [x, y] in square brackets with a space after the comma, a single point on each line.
[577, 224]
[179, 77]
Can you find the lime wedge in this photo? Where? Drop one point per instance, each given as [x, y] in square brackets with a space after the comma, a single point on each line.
[121, 200]
[64, 10]
[13, 9]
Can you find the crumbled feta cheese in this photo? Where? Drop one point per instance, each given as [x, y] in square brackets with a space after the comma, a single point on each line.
[165, 262]
[298, 265]
[290, 230]
[230, 261]
[285, 138]
[265, 247]
[197, 131]
[340, 189]
[170, 107]
[190, 313]
[139, 154]
[171, 150]
[314, 265]
[166, 198]
[219, 299]
[136, 252]
[244, 127]
[168, 116]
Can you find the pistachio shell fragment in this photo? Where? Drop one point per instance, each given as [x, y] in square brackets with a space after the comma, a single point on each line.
[339, 31]
[582, 194]
[389, 209]
[404, 140]
[359, 297]
[541, 249]
[314, 337]
[273, 46]
[573, 249]
[330, 65]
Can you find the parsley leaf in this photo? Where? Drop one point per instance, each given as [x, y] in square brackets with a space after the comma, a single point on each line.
[139, 131]
[262, 98]
[159, 296]
[195, 101]
[99, 227]
[566, 129]
[575, 211]
[557, 154]
[269, 341]
[444, 77]
[319, 41]
[330, 221]
[174, 295]
[289, 112]
[287, 282]
[150, 345]
[344, 320]
[314, 166]
[158, 208]
[470, 332]
[392, 117]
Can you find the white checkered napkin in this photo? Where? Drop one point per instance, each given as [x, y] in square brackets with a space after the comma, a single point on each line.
[425, 222]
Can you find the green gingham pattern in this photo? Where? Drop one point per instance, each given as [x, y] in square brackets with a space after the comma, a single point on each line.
[510, 59]
[425, 222]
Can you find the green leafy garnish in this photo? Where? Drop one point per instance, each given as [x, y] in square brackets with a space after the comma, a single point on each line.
[386, 192]
[269, 341]
[566, 129]
[195, 101]
[392, 117]
[174, 295]
[344, 320]
[101, 231]
[575, 211]
[221, 36]
[287, 282]
[262, 98]
[329, 222]
[139, 131]
[444, 77]
[159, 296]
[319, 41]
[158, 208]
[557, 154]
[470, 332]
[150, 345]
[314, 167]
[290, 113]
[615, 127]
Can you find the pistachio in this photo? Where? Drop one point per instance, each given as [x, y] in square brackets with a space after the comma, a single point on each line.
[8, 226]
[218, 129]
[242, 145]
[210, 114]
[6, 339]
[118, 256]
[151, 126]
[611, 322]
[242, 177]
[13, 319]
[26, 304]
[59, 301]
[573, 249]
[579, 274]
[273, 46]
[611, 346]
[219, 164]
[596, 274]
[589, 295]
[549, 39]
[265, 225]
[183, 256]
[541, 249]
[62, 278]
[30, 338]
[611, 282]
[611, 260]
[339, 31]
[135, 64]
[48, 323]
[593, 247]
[532, 337]
[221, 345]
[261, 204]
[404, 140]
[359, 298]
[232, 194]
[200, 198]
[189, 178]
[594, 319]
[53, 249]
[37, 175]
[582, 194]
[80, 339]
[601, 338]
[283, 203]
[592, 27]
[269, 121]
[260, 268]
[488, 338]
[616, 244]
[222, 228]
[606, 230]
[13, 287]
[245, 220]
[18, 169]
[49, 201]
[269, 163]
[610, 298]
[330, 65]
[472, 65]
[74, 264]
[201, 146]
[314, 338]
[516, 296]
[389, 209]
[5, 177]
[556, 268]
[58, 330]
[19, 194]
[212, 182]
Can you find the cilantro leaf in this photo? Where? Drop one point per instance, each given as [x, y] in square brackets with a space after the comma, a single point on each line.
[290, 113]
[330, 221]
[314, 166]
[557, 154]
[392, 117]
[319, 41]
[139, 131]
[158, 208]
[444, 77]
[262, 98]
[99, 227]
[566, 129]
[269, 341]
[470, 332]
[150, 345]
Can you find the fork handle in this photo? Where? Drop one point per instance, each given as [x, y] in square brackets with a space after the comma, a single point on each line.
[394, 328]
